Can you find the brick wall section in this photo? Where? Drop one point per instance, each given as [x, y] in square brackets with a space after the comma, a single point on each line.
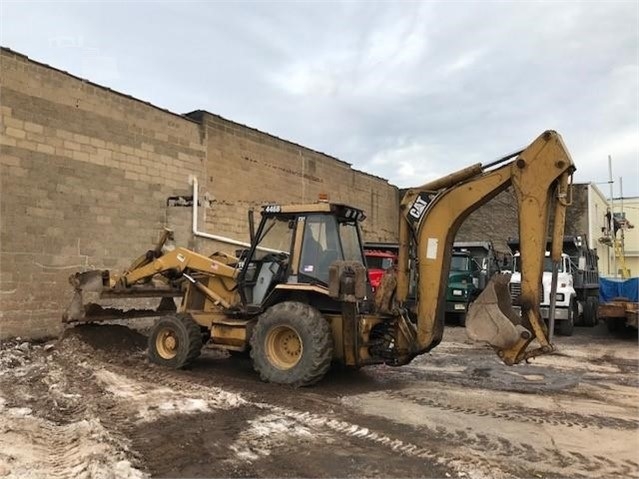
[247, 168]
[495, 221]
[86, 173]
[85, 176]
[577, 212]
[498, 219]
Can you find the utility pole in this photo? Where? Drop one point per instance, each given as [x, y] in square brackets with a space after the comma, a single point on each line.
[612, 225]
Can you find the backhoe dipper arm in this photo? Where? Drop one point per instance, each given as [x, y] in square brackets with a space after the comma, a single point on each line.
[432, 214]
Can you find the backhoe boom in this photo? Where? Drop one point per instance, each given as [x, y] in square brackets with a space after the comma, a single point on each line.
[432, 214]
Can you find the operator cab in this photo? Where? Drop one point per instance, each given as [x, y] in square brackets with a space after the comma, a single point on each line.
[296, 244]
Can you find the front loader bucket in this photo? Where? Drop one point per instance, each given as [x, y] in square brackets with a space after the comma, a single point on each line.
[491, 318]
[98, 283]
[88, 281]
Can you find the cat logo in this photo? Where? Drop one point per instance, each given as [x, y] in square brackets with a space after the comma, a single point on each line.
[417, 209]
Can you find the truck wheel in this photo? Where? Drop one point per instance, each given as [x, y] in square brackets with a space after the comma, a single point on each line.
[565, 327]
[591, 311]
[175, 341]
[574, 312]
[292, 344]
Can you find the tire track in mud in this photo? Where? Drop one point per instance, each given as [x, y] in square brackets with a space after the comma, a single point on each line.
[320, 424]
[56, 432]
[183, 418]
[525, 414]
[525, 453]
[73, 450]
[528, 456]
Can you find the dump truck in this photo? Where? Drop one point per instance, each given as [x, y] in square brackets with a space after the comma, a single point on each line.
[380, 257]
[577, 292]
[472, 264]
[299, 299]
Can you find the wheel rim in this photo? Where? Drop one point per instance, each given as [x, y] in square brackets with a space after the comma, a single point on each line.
[283, 347]
[166, 343]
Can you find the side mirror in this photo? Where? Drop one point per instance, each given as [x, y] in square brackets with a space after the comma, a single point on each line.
[482, 280]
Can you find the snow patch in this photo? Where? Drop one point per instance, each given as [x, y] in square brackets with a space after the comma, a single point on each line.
[266, 433]
[153, 402]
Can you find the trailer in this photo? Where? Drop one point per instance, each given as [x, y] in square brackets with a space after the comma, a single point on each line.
[619, 303]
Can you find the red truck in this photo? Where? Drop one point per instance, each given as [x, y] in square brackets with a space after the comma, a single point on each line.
[379, 258]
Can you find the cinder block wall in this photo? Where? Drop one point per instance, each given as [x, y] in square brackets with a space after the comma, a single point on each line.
[247, 168]
[86, 173]
[85, 177]
[498, 219]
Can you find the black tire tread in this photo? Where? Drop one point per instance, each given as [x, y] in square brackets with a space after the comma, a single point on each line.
[591, 318]
[303, 316]
[192, 336]
[566, 327]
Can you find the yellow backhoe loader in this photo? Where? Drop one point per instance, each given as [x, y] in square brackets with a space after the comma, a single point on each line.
[299, 299]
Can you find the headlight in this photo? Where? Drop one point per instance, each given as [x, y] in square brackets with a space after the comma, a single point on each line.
[458, 292]
[560, 297]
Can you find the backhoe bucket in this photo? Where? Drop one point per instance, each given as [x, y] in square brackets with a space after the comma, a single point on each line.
[491, 317]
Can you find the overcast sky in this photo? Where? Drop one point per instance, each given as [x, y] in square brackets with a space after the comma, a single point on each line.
[404, 90]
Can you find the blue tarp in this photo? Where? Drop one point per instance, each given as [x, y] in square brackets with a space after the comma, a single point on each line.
[613, 288]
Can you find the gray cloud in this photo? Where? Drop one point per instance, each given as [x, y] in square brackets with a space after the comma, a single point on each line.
[405, 91]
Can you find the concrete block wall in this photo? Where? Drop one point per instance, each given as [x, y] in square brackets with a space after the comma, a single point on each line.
[495, 221]
[85, 178]
[498, 219]
[247, 168]
[86, 173]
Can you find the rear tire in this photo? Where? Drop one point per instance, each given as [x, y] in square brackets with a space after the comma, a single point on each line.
[175, 341]
[292, 344]
[591, 307]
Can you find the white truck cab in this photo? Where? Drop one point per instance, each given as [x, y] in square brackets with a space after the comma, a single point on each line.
[577, 299]
[566, 304]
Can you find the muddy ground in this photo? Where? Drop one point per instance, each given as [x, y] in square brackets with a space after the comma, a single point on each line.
[90, 405]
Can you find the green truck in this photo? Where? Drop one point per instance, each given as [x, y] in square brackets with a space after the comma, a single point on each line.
[471, 266]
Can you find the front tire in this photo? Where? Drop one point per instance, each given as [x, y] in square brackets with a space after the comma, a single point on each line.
[567, 326]
[292, 344]
[175, 341]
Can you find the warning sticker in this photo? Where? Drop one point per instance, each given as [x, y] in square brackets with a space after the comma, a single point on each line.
[431, 248]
